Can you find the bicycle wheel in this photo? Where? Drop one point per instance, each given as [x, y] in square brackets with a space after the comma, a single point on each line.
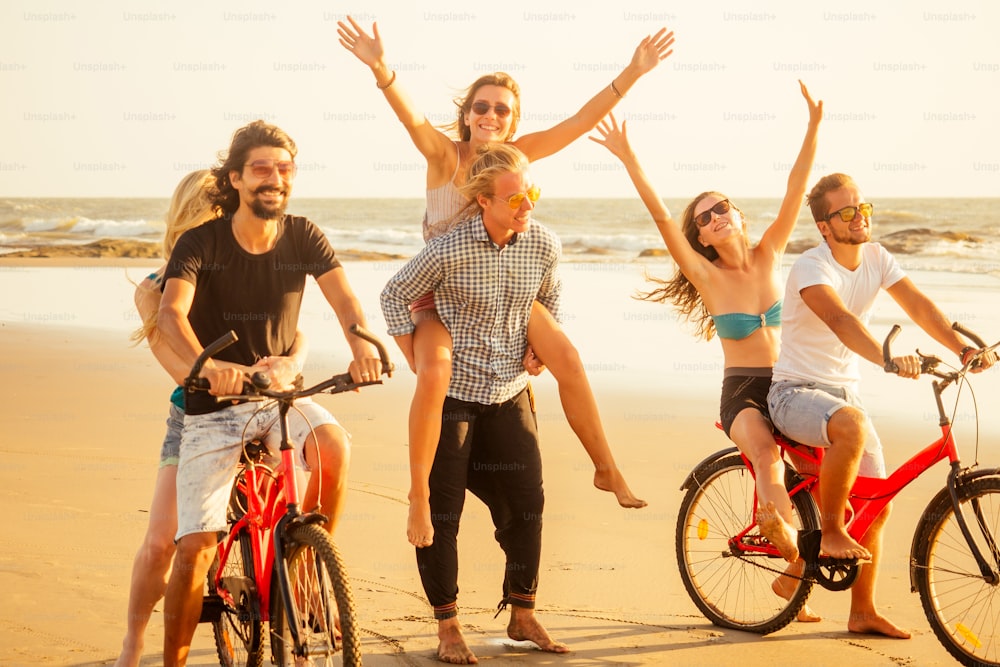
[962, 608]
[238, 630]
[318, 587]
[734, 591]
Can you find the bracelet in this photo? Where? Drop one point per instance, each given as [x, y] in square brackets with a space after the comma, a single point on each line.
[614, 90]
[965, 351]
[392, 79]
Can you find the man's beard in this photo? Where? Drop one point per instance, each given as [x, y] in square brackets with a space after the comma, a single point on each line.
[847, 238]
[267, 211]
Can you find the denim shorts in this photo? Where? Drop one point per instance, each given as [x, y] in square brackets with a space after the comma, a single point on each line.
[211, 445]
[802, 410]
[170, 451]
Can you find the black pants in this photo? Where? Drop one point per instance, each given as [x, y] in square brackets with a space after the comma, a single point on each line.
[491, 450]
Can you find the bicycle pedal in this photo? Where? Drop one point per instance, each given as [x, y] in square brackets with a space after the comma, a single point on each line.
[211, 609]
[809, 545]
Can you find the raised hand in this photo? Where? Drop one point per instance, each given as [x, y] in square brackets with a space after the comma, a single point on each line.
[367, 49]
[613, 138]
[652, 50]
[815, 108]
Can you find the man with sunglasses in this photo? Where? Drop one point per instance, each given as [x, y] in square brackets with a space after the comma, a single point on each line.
[246, 272]
[485, 275]
[813, 398]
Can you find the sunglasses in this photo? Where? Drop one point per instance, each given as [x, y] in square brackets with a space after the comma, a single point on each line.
[705, 217]
[515, 201]
[264, 167]
[850, 213]
[500, 109]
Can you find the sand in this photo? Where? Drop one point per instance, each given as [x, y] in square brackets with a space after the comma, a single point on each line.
[84, 414]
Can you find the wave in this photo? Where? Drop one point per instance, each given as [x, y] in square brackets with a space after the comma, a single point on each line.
[80, 228]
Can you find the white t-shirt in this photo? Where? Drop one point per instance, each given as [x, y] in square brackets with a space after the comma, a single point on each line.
[810, 351]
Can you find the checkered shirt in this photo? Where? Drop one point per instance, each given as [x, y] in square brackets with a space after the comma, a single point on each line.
[483, 294]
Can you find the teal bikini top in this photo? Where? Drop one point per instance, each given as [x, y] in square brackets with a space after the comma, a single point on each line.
[737, 326]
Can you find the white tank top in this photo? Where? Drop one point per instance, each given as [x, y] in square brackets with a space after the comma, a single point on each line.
[443, 204]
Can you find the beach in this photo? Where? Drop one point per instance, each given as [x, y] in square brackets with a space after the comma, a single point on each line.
[85, 410]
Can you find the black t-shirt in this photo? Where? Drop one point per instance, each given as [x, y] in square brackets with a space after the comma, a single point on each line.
[257, 296]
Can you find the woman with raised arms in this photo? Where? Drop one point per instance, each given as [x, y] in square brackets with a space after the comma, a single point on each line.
[489, 113]
[727, 286]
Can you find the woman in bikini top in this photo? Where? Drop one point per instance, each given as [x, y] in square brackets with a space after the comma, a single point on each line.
[721, 280]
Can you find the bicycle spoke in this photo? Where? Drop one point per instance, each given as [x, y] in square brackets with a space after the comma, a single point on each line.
[731, 587]
[962, 607]
[319, 592]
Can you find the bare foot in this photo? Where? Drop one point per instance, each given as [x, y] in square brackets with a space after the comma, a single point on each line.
[524, 626]
[130, 656]
[611, 480]
[842, 545]
[875, 624]
[778, 532]
[451, 644]
[783, 587]
[419, 530]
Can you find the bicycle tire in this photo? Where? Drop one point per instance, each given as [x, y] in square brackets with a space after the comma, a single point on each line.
[315, 571]
[962, 608]
[732, 591]
[238, 632]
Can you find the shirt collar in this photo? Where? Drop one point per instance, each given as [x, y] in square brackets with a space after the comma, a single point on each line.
[479, 232]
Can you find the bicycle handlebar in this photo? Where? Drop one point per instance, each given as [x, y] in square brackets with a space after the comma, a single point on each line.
[928, 363]
[258, 386]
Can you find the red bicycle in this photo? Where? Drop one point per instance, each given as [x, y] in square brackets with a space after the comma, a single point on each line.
[277, 565]
[727, 566]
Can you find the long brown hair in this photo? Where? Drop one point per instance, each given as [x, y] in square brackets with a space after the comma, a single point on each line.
[678, 290]
[256, 134]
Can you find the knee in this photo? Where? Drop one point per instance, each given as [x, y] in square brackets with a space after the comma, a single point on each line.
[194, 553]
[434, 373]
[334, 448]
[754, 438]
[158, 549]
[763, 455]
[848, 428]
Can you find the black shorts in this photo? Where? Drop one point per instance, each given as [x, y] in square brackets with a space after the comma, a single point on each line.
[743, 388]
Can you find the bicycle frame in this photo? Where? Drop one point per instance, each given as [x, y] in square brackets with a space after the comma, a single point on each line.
[273, 500]
[869, 496]
[272, 504]
[265, 493]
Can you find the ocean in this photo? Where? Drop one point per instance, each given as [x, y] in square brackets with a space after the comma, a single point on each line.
[953, 235]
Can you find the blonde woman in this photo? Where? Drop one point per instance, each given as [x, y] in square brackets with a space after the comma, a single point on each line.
[488, 114]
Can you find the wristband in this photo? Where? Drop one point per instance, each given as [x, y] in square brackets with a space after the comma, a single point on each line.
[388, 83]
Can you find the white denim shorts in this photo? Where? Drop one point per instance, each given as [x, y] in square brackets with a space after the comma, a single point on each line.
[211, 445]
[802, 411]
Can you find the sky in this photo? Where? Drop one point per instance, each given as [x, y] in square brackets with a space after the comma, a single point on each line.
[122, 98]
